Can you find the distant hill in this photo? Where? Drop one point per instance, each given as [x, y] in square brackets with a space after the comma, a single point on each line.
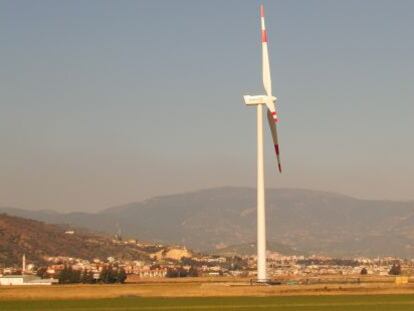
[303, 220]
[39, 240]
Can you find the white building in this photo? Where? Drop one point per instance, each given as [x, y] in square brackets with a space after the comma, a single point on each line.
[25, 280]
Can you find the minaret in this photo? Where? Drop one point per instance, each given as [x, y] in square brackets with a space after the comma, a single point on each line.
[24, 263]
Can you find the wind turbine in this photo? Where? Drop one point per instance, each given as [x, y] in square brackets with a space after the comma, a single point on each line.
[259, 101]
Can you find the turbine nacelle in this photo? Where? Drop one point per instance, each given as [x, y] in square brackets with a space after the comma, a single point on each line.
[269, 101]
[259, 100]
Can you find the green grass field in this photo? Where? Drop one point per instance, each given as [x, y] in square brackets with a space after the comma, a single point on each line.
[302, 303]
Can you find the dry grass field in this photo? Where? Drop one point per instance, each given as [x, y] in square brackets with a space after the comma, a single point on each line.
[276, 303]
[212, 294]
[197, 288]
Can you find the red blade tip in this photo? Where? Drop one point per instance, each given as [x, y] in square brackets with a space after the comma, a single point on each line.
[261, 10]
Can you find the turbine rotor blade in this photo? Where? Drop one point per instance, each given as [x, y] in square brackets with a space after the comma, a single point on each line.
[273, 131]
[272, 108]
[267, 81]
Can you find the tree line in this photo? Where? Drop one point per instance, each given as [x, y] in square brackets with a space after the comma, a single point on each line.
[108, 275]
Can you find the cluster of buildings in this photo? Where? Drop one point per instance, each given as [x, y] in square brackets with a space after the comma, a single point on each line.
[179, 262]
[23, 276]
[279, 265]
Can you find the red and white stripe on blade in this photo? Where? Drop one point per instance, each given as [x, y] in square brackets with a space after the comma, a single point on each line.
[273, 130]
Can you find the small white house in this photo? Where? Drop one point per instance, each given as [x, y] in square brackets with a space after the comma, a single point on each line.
[25, 280]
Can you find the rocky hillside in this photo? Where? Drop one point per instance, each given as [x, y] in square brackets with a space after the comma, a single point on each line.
[39, 240]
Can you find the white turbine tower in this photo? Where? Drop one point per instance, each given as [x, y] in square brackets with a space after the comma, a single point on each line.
[267, 100]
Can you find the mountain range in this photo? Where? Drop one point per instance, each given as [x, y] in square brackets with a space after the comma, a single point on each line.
[298, 221]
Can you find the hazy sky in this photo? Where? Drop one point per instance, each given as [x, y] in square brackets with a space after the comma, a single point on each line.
[108, 102]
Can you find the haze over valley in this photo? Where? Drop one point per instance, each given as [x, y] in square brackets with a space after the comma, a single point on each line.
[299, 222]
